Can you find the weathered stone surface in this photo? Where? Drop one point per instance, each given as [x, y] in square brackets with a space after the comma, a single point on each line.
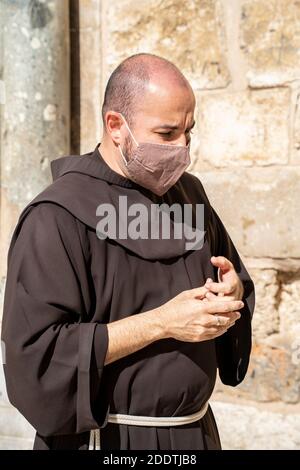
[244, 427]
[3, 395]
[15, 431]
[35, 116]
[270, 40]
[12, 423]
[296, 133]
[289, 310]
[273, 375]
[190, 34]
[243, 128]
[2, 287]
[35, 125]
[8, 216]
[274, 372]
[15, 443]
[34, 129]
[265, 318]
[285, 265]
[259, 207]
[91, 71]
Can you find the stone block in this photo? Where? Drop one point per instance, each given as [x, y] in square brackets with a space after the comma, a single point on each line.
[246, 427]
[289, 311]
[259, 207]
[190, 34]
[242, 129]
[270, 41]
[272, 375]
[265, 318]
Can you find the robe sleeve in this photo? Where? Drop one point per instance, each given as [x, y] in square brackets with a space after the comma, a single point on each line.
[233, 348]
[54, 353]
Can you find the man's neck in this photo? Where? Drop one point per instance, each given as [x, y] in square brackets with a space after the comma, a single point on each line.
[108, 153]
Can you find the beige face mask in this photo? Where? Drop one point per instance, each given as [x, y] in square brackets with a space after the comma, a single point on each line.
[156, 166]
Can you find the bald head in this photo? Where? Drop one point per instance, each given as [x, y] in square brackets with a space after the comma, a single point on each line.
[147, 99]
[137, 76]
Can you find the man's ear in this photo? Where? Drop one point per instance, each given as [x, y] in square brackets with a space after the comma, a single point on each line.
[114, 125]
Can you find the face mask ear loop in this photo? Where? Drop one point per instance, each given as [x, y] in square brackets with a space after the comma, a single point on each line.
[125, 161]
[129, 130]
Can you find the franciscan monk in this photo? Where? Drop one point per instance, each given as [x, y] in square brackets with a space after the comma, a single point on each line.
[114, 342]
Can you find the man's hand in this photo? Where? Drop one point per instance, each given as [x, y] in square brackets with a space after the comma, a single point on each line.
[191, 317]
[230, 284]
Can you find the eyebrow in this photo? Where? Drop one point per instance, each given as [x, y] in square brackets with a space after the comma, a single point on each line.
[171, 126]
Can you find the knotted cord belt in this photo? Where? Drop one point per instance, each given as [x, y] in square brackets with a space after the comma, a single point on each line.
[154, 421]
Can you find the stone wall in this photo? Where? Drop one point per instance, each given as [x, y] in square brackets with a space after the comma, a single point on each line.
[242, 58]
[35, 128]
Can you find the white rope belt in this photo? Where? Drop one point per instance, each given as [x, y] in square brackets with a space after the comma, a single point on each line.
[155, 421]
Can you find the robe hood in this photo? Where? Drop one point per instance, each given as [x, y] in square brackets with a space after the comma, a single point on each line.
[83, 182]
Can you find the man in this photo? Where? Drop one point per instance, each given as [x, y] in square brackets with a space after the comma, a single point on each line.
[99, 327]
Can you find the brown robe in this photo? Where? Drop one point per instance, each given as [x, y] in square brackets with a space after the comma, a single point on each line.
[64, 285]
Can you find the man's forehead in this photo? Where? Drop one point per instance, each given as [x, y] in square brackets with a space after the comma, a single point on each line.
[167, 105]
[168, 89]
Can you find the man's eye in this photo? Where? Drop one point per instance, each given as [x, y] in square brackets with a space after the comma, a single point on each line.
[165, 133]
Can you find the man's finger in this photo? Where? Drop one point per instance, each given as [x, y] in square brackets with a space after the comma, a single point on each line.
[211, 296]
[219, 287]
[221, 262]
[198, 292]
[223, 306]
